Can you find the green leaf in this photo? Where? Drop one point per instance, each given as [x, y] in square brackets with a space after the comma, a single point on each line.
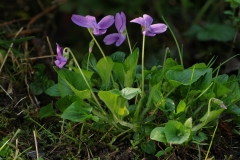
[148, 147]
[72, 83]
[63, 87]
[160, 153]
[120, 72]
[169, 64]
[53, 91]
[36, 88]
[130, 65]
[165, 104]
[129, 93]
[199, 66]
[66, 101]
[194, 29]
[208, 117]
[188, 123]
[234, 109]
[169, 149]
[156, 77]
[228, 12]
[131, 60]
[47, 111]
[220, 89]
[77, 112]
[233, 85]
[5, 150]
[223, 78]
[181, 106]
[73, 78]
[104, 67]
[200, 137]
[238, 75]
[169, 105]
[237, 1]
[115, 102]
[86, 73]
[17, 40]
[185, 77]
[214, 31]
[40, 68]
[158, 134]
[89, 62]
[211, 116]
[118, 57]
[158, 99]
[47, 84]
[204, 81]
[176, 132]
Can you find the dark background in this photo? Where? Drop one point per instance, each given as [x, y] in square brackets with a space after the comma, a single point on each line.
[203, 28]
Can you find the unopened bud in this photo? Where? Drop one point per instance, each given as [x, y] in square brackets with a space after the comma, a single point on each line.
[66, 53]
[219, 102]
[91, 44]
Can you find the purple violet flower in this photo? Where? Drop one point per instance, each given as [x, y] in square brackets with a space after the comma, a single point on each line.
[61, 61]
[118, 38]
[90, 22]
[148, 29]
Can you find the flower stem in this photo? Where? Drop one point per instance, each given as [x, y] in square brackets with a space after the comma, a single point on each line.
[143, 45]
[174, 37]
[97, 44]
[129, 44]
[84, 78]
[100, 51]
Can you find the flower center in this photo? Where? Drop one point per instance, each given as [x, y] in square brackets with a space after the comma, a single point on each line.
[147, 27]
[95, 27]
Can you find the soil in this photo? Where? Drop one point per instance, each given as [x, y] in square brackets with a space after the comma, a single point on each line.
[225, 145]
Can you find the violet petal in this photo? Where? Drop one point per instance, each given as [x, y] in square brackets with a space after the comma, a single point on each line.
[106, 22]
[158, 28]
[61, 59]
[120, 40]
[59, 64]
[111, 38]
[149, 34]
[59, 50]
[99, 32]
[83, 21]
[120, 22]
[148, 19]
[139, 20]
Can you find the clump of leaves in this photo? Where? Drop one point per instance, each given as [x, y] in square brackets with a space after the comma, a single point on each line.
[41, 81]
[169, 103]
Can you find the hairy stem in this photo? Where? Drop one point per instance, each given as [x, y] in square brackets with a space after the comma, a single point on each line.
[89, 30]
[84, 78]
[143, 45]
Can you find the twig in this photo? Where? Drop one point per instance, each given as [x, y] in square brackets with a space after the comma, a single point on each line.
[19, 101]
[27, 31]
[41, 57]
[28, 89]
[13, 21]
[17, 150]
[50, 47]
[35, 18]
[36, 146]
[9, 49]
[6, 92]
